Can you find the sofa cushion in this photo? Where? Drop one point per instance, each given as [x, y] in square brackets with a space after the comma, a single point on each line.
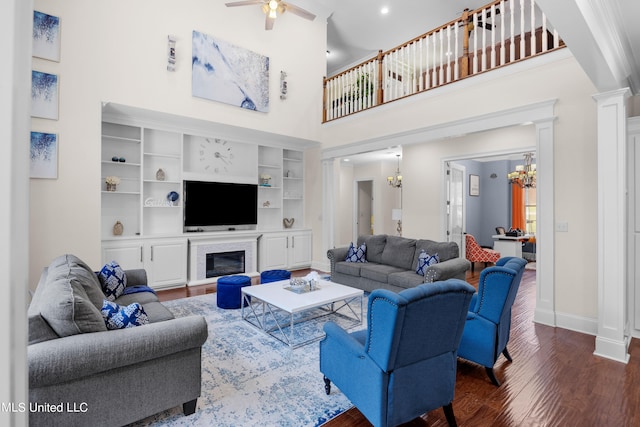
[141, 297]
[71, 298]
[405, 279]
[426, 260]
[122, 317]
[379, 272]
[113, 280]
[358, 254]
[350, 268]
[399, 252]
[445, 250]
[375, 246]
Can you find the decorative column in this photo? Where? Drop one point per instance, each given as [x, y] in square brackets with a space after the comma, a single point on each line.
[545, 235]
[613, 337]
[328, 207]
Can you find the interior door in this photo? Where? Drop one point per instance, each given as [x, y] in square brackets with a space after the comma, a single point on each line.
[455, 205]
[364, 209]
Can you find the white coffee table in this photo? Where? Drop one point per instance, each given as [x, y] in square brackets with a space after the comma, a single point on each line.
[275, 309]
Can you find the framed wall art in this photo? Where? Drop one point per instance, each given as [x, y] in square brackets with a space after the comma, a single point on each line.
[474, 185]
[226, 73]
[44, 95]
[44, 155]
[46, 36]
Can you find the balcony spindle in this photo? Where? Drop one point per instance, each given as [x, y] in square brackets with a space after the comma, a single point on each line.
[533, 27]
[522, 34]
[493, 37]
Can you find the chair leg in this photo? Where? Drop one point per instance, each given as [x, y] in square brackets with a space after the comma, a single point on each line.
[492, 376]
[327, 385]
[448, 413]
[472, 265]
[506, 354]
[189, 407]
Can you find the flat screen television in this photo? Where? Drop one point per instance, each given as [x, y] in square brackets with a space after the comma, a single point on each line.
[215, 206]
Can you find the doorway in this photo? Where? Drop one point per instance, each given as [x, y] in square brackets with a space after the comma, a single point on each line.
[456, 207]
[364, 225]
[479, 212]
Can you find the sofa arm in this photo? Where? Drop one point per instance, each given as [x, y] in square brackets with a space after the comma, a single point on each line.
[136, 277]
[337, 255]
[77, 356]
[451, 268]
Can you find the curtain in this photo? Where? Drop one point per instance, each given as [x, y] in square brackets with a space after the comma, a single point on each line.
[517, 208]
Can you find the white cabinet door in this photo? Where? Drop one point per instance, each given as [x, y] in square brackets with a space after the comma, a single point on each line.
[167, 262]
[285, 250]
[299, 250]
[273, 252]
[128, 254]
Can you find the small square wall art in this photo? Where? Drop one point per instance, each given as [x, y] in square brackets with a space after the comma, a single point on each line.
[44, 95]
[46, 36]
[44, 155]
[226, 73]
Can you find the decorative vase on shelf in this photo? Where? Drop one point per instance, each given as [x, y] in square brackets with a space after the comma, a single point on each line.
[118, 228]
[111, 187]
[160, 176]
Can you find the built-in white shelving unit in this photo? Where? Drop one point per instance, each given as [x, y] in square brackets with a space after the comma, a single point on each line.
[158, 156]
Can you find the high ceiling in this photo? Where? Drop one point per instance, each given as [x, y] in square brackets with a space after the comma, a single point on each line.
[357, 29]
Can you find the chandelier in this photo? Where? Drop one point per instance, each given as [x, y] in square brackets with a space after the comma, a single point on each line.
[524, 175]
[396, 181]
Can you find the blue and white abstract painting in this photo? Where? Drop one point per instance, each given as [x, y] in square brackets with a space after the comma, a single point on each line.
[44, 155]
[46, 36]
[44, 95]
[226, 73]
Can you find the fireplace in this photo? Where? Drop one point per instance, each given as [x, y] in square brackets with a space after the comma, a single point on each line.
[225, 263]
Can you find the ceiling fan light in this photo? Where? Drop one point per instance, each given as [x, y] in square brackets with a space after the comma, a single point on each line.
[273, 5]
[273, 14]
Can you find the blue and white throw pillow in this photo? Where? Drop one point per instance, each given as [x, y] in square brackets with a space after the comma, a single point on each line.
[425, 261]
[113, 280]
[117, 317]
[358, 254]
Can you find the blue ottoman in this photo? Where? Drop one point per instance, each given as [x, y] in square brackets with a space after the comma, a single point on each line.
[229, 290]
[274, 275]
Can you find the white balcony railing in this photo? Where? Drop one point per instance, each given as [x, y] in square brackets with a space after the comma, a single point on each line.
[498, 34]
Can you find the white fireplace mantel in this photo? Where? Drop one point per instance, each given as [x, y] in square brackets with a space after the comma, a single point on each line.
[201, 244]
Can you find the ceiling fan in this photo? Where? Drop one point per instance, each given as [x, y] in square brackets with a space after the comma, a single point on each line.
[272, 8]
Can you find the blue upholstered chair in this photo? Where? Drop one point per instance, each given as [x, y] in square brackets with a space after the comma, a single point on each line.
[486, 332]
[404, 364]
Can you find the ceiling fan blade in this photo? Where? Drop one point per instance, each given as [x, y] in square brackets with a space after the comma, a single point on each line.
[299, 11]
[268, 23]
[244, 3]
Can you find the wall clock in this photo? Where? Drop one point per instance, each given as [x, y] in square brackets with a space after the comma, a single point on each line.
[216, 155]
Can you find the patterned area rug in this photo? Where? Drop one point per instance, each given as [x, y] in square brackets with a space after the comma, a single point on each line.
[250, 379]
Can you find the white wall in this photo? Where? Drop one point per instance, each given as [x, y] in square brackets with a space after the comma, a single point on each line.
[116, 51]
[553, 76]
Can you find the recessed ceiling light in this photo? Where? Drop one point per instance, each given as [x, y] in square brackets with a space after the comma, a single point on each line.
[384, 10]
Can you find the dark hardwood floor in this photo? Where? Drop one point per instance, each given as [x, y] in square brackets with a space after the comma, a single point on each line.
[554, 379]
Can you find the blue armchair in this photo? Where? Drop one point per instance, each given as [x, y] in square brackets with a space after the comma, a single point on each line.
[404, 364]
[486, 332]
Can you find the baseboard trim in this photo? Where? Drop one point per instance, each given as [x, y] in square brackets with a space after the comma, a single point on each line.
[613, 349]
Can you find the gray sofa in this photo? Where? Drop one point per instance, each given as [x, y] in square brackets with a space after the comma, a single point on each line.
[392, 262]
[81, 373]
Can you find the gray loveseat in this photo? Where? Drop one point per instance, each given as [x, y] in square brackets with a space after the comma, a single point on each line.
[81, 373]
[392, 262]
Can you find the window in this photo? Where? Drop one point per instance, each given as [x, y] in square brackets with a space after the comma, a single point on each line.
[530, 210]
